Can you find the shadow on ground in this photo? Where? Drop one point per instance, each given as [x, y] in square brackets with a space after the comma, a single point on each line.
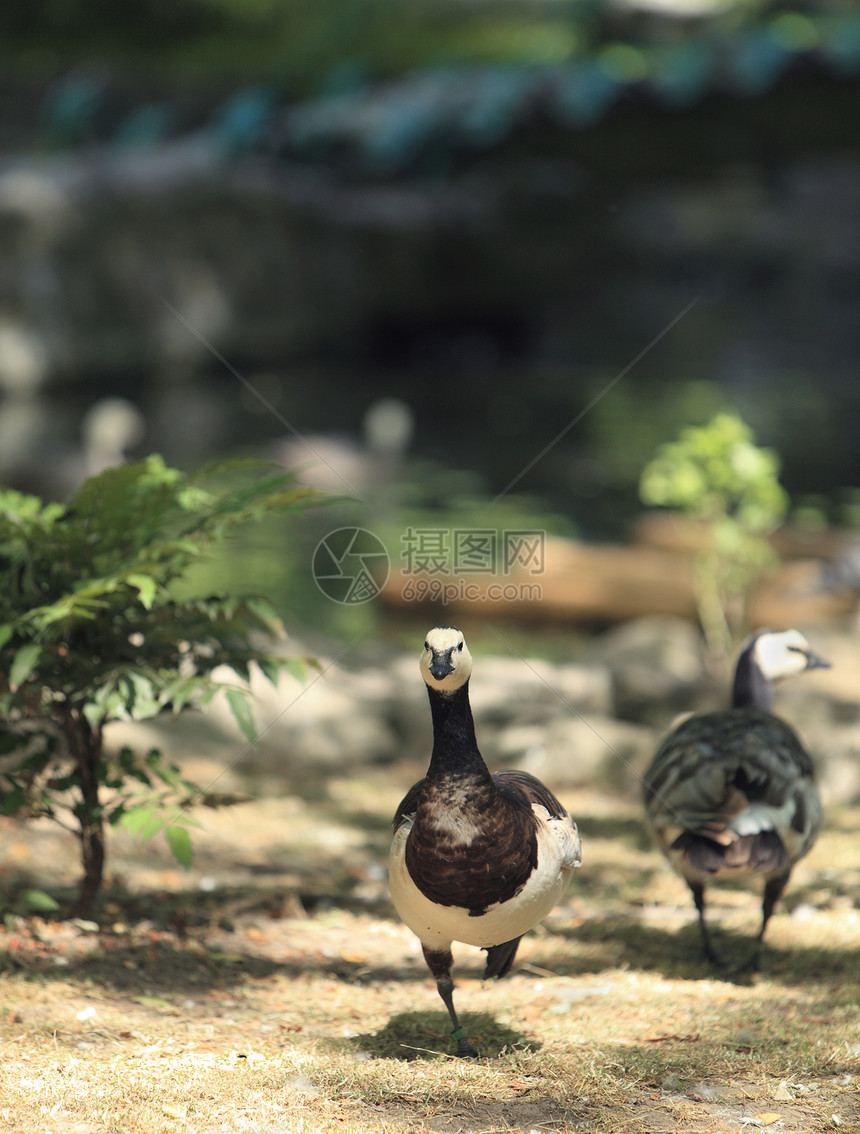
[621, 942]
[187, 950]
[415, 1035]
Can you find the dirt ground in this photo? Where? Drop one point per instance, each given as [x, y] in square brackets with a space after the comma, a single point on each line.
[272, 988]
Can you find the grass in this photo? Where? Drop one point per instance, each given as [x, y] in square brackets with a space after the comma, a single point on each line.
[289, 998]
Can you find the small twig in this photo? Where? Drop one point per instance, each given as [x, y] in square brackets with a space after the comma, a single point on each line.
[63, 825]
[537, 969]
[430, 1051]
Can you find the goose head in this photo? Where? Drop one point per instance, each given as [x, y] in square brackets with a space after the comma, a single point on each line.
[770, 656]
[783, 653]
[446, 663]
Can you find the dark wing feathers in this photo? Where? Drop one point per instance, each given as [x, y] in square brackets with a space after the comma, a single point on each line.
[522, 788]
[407, 805]
[709, 756]
[718, 776]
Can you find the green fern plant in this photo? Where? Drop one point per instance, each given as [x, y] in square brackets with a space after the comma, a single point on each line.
[99, 623]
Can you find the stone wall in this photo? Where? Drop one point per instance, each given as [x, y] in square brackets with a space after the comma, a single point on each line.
[537, 268]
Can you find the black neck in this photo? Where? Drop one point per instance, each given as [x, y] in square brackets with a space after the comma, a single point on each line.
[455, 749]
[751, 689]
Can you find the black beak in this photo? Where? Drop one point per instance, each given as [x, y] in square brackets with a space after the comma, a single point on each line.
[813, 661]
[441, 666]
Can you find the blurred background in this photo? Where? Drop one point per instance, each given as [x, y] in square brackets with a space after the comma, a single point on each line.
[464, 262]
[466, 265]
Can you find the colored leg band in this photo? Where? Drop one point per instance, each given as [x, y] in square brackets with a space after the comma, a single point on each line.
[458, 1033]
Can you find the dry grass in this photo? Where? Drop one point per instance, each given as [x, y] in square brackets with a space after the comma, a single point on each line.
[244, 1008]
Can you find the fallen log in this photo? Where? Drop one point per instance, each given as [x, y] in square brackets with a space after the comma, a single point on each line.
[588, 583]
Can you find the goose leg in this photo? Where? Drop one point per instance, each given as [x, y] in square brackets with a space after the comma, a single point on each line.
[773, 888]
[439, 962]
[698, 891]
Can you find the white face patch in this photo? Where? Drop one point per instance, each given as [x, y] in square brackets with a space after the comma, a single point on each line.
[445, 650]
[781, 654]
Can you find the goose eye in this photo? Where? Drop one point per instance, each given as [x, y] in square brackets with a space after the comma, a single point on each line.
[426, 645]
[460, 646]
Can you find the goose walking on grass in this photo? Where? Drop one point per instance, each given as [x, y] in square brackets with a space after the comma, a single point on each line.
[476, 858]
[732, 794]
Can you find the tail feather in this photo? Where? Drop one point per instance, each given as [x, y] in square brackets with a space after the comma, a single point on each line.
[763, 852]
[500, 958]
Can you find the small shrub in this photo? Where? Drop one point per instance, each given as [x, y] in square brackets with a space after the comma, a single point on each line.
[98, 624]
[716, 475]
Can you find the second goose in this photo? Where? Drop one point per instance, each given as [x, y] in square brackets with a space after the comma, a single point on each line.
[732, 794]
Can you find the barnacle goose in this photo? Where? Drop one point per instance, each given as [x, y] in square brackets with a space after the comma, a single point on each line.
[476, 858]
[732, 793]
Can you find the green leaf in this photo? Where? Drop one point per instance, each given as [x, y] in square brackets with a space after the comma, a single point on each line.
[238, 703]
[184, 691]
[143, 821]
[12, 799]
[218, 799]
[297, 668]
[6, 632]
[271, 668]
[142, 703]
[93, 714]
[146, 588]
[179, 842]
[208, 690]
[25, 662]
[65, 783]
[266, 614]
[169, 774]
[38, 901]
[115, 814]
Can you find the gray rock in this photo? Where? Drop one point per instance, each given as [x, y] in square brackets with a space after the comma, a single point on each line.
[594, 750]
[519, 689]
[836, 752]
[657, 666]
